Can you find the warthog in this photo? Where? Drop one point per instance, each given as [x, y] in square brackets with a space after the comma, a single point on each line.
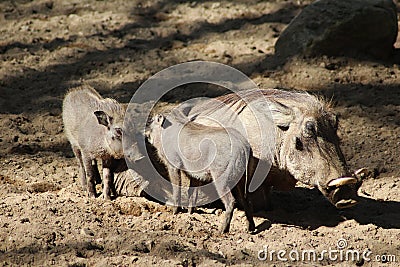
[306, 145]
[94, 126]
[206, 154]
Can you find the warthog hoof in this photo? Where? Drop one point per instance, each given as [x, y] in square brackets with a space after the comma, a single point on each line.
[251, 228]
[175, 210]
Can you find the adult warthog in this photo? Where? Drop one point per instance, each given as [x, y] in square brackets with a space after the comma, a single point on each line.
[295, 132]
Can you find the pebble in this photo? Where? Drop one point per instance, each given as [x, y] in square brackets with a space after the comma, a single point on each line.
[134, 259]
[87, 232]
[149, 244]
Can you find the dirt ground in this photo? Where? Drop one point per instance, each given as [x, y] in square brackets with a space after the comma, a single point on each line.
[45, 219]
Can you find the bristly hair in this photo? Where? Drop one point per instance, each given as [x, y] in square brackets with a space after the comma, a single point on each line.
[92, 98]
[304, 100]
[84, 87]
[113, 106]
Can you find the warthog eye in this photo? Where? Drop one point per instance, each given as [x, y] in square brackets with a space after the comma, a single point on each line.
[118, 133]
[299, 144]
[335, 121]
[310, 128]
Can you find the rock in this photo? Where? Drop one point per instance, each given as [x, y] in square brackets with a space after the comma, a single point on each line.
[350, 28]
[86, 232]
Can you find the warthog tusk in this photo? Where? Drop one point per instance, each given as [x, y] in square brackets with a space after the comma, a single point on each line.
[140, 158]
[361, 172]
[342, 181]
[346, 203]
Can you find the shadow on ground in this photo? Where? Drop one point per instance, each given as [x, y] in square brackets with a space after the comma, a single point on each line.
[308, 209]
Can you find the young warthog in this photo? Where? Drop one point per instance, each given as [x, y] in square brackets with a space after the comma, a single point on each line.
[206, 154]
[94, 127]
[306, 144]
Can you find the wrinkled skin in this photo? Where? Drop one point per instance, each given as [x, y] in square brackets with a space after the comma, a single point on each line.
[306, 144]
[310, 151]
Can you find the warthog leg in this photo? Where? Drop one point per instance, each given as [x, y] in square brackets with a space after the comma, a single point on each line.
[193, 194]
[229, 203]
[96, 172]
[90, 182]
[175, 176]
[266, 192]
[247, 206]
[108, 179]
[227, 199]
[82, 172]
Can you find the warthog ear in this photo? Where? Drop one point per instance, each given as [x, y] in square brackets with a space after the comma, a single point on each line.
[179, 116]
[282, 115]
[185, 108]
[334, 120]
[166, 123]
[162, 121]
[103, 118]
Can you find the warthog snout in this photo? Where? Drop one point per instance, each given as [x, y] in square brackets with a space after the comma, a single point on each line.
[341, 192]
[132, 152]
